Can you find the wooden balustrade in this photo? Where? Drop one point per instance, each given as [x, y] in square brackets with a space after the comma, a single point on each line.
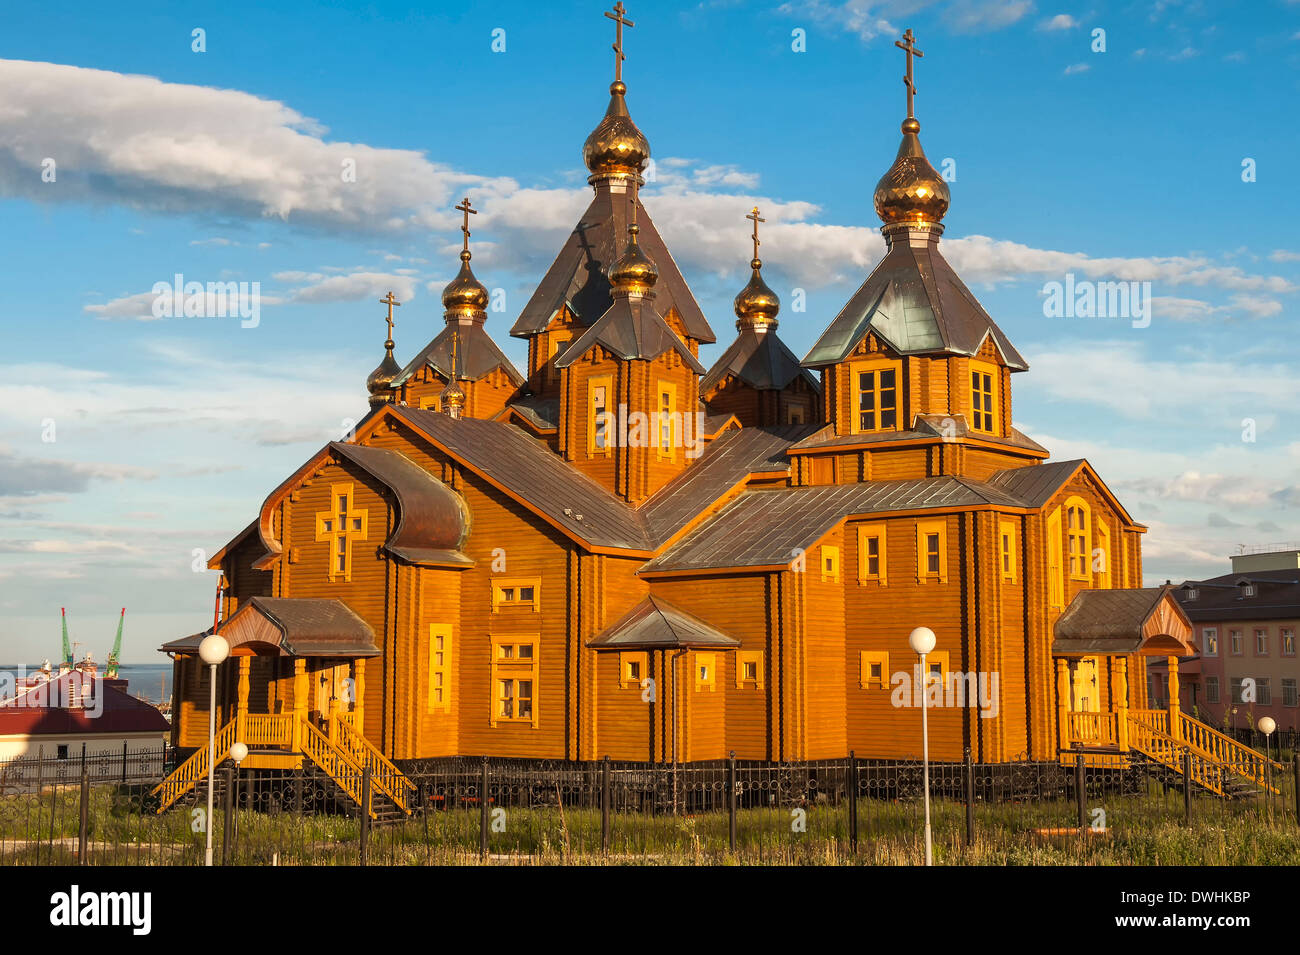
[1093, 729]
[194, 769]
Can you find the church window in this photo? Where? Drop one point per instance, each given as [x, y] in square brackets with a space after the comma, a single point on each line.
[931, 551]
[1055, 572]
[871, 553]
[874, 670]
[598, 391]
[1080, 552]
[831, 563]
[983, 381]
[704, 673]
[875, 396]
[439, 666]
[749, 669]
[341, 527]
[633, 668]
[514, 679]
[523, 593]
[668, 424]
[431, 403]
[555, 345]
[796, 412]
[1007, 549]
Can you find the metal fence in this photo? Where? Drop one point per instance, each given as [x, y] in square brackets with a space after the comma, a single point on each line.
[1121, 810]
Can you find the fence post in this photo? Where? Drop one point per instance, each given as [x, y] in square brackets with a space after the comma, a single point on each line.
[365, 813]
[1296, 764]
[483, 811]
[83, 825]
[1078, 788]
[604, 806]
[123, 762]
[731, 799]
[853, 802]
[969, 785]
[228, 830]
[1187, 785]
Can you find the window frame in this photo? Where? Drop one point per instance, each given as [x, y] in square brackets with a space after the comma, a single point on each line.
[515, 669]
[1236, 643]
[875, 366]
[1212, 689]
[709, 662]
[1263, 691]
[923, 531]
[1007, 532]
[1055, 561]
[744, 657]
[877, 531]
[516, 584]
[431, 402]
[595, 383]
[1077, 505]
[1261, 640]
[445, 669]
[1209, 634]
[1286, 641]
[625, 660]
[1290, 683]
[993, 409]
[865, 660]
[675, 437]
[325, 532]
[830, 553]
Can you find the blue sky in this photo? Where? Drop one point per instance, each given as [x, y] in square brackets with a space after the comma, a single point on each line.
[224, 165]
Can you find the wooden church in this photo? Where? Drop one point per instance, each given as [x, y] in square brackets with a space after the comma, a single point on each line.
[620, 551]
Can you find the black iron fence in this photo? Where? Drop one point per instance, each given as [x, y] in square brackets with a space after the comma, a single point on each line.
[1107, 809]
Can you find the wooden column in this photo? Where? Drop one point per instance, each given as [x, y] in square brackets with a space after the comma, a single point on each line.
[299, 700]
[241, 708]
[1175, 730]
[359, 693]
[1119, 691]
[1063, 702]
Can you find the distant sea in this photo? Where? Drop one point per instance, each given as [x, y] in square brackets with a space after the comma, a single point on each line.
[153, 681]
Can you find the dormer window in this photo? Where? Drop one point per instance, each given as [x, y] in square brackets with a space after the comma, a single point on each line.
[1247, 588]
[983, 397]
[1190, 593]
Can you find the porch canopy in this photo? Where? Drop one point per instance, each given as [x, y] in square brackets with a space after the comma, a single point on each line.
[290, 627]
[655, 624]
[1146, 620]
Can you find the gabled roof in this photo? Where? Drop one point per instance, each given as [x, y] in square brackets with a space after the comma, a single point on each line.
[631, 328]
[770, 528]
[915, 302]
[924, 427]
[476, 354]
[762, 361]
[1132, 620]
[534, 475]
[1036, 483]
[577, 277]
[655, 624]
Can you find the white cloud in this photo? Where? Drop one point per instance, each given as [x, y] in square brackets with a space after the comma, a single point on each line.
[1077, 68]
[356, 287]
[1062, 21]
[869, 20]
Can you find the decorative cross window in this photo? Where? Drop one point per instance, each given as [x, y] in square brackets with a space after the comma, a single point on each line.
[341, 526]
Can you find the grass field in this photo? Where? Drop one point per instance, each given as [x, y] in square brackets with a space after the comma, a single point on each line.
[1140, 829]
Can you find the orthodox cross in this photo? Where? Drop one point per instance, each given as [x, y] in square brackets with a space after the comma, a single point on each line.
[465, 208]
[909, 47]
[341, 525]
[390, 300]
[620, 21]
[455, 372]
[756, 219]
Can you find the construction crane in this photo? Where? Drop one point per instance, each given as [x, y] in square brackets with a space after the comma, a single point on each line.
[116, 653]
[68, 661]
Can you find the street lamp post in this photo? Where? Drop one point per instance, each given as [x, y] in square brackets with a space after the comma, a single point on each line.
[213, 651]
[1266, 726]
[922, 640]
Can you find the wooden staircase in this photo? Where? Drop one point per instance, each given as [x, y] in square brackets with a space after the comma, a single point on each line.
[1219, 764]
[343, 755]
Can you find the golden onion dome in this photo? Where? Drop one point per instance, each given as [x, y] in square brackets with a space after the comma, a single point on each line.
[380, 381]
[756, 304]
[634, 272]
[616, 147]
[912, 191]
[465, 293]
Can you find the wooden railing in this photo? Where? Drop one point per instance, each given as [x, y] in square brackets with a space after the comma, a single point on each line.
[1174, 754]
[383, 774]
[267, 729]
[1157, 720]
[336, 764]
[1237, 757]
[193, 769]
[1094, 729]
